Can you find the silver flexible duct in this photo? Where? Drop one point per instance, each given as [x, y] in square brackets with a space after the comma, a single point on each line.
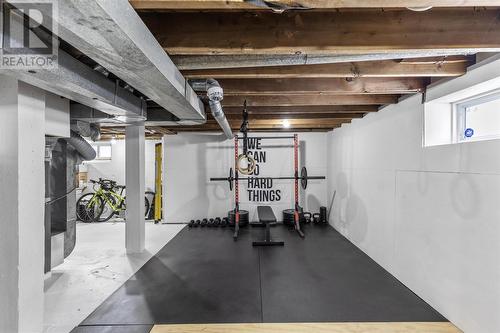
[82, 147]
[87, 130]
[215, 94]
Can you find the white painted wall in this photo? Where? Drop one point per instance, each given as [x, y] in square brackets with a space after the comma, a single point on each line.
[429, 215]
[191, 159]
[115, 169]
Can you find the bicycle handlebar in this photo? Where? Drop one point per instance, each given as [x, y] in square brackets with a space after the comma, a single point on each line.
[102, 180]
[106, 183]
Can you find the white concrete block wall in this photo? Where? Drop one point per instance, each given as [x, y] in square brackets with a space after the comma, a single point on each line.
[191, 159]
[429, 215]
[115, 168]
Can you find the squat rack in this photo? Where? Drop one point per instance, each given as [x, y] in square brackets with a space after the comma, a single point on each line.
[296, 178]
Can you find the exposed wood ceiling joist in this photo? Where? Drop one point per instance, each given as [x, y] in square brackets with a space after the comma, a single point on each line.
[262, 126]
[320, 32]
[160, 130]
[318, 69]
[118, 133]
[237, 117]
[321, 86]
[387, 68]
[302, 110]
[270, 124]
[325, 4]
[307, 100]
[269, 129]
[202, 62]
[435, 60]
[262, 123]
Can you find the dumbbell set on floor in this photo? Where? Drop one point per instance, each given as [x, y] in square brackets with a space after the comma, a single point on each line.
[224, 222]
[210, 223]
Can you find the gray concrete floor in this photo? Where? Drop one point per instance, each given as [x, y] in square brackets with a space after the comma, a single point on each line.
[94, 270]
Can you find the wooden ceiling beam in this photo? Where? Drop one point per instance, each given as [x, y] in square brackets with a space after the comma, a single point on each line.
[160, 130]
[236, 128]
[308, 86]
[271, 123]
[109, 137]
[309, 109]
[436, 60]
[290, 129]
[325, 32]
[307, 100]
[236, 123]
[238, 116]
[368, 69]
[326, 4]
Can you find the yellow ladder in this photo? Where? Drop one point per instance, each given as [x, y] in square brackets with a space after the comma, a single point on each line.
[158, 189]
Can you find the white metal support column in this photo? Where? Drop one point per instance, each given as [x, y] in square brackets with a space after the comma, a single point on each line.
[135, 178]
[22, 137]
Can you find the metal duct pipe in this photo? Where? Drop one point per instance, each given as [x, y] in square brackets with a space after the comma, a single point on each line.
[215, 94]
[87, 129]
[82, 147]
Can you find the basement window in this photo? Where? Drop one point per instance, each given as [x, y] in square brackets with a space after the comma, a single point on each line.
[479, 118]
[103, 151]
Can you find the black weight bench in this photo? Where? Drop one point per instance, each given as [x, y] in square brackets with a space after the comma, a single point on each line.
[266, 217]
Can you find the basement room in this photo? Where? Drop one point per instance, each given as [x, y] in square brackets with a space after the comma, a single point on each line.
[250, 166]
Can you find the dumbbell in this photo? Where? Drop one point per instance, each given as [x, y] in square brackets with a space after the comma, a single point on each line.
[217, 222]
[224, 222]
[197, 223]
[204, 222]
[191, 223]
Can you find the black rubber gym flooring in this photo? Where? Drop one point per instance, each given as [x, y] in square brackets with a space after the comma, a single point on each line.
[203, 276]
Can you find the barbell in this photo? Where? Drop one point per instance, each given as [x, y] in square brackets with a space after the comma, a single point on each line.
[303, 178]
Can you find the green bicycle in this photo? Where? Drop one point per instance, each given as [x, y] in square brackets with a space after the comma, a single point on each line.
[104, 203]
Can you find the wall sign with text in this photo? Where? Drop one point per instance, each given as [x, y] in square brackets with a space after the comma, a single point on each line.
[260, 189]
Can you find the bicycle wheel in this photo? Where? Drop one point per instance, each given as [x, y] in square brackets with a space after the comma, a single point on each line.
[147, 205]
[107, 210]
[89, 208]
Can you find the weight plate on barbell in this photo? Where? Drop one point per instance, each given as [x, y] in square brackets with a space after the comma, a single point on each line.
[303, 177]
[230, 179]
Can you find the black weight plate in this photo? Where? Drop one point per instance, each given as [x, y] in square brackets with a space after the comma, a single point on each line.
[289, 217]
[230, 179]
[244, 217]
[303, 177]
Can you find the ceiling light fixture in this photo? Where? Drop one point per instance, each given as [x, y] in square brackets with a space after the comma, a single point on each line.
[286, 123]
[420, 9]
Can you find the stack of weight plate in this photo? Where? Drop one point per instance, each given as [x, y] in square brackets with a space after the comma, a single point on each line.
[289, 217]
[244, 217]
